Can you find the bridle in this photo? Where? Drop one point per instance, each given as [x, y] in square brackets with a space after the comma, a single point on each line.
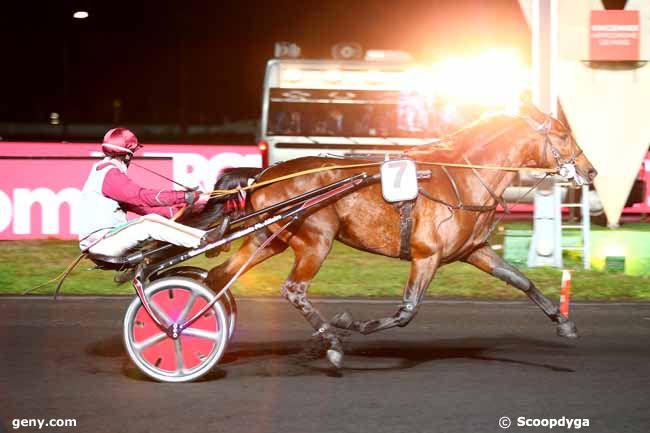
[565, 167]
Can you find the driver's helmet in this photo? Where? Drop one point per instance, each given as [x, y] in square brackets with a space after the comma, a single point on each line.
[120, 142]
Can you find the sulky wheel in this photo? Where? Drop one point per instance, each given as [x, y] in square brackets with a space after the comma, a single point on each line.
[199, 347]
[200, 274]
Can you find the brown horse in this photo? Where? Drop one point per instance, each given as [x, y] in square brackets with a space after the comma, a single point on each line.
[442, 231]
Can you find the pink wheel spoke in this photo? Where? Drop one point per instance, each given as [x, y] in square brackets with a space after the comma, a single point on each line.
[166, 321]
[201, 333]
[149, 341]
[178, 349]
[187, 308]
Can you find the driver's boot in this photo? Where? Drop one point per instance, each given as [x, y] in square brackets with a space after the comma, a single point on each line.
[215, 234]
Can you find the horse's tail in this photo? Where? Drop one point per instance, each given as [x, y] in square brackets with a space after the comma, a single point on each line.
[233, 204]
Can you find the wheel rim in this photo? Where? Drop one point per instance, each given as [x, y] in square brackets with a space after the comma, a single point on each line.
[228, 301]
[198, 348]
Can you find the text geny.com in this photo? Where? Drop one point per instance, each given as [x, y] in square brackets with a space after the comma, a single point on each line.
[40, 423]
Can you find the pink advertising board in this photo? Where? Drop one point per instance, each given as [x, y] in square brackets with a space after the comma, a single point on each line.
[41, 183]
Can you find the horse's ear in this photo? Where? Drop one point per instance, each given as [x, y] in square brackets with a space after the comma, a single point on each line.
[530, 110]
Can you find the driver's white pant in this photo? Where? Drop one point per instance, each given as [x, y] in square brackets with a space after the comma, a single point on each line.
[152, 226]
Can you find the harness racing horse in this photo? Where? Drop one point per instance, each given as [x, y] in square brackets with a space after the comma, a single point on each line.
[452, 216]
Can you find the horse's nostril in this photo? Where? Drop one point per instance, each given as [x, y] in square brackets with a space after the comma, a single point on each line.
[592, 173]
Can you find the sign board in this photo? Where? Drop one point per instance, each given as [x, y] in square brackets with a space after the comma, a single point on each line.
[606, 107]
[41, 183]
[614, 35]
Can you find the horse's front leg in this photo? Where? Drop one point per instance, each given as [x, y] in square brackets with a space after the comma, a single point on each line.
[488, 261]
[422, 272]
[311, 244]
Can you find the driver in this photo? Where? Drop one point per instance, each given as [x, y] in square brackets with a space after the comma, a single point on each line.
[109, 193]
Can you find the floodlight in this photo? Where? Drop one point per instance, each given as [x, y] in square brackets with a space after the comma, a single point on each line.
[291, 75]
[54, 118]
[333, 75]
[388, 56]
[287, 50]
[375, 77]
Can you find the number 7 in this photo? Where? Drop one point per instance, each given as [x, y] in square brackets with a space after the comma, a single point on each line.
[401, 167]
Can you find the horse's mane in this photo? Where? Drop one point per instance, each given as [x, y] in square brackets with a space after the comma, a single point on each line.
[216, 207]
[488, 122]
[475, 132]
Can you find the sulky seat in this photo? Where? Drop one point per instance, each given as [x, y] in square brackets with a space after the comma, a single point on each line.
[109, 262]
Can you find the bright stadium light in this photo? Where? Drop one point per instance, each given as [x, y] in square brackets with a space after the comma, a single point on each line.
[418, 80]
[375, 77]
[54, 118]
[291, 75]
[388, 56]
[80, 15]
[333, 75]
[494, 79]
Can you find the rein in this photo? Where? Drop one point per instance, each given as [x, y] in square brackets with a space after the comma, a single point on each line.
[543, 128]
[224, 192]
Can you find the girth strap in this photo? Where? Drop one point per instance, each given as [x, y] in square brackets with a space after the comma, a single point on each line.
[405, 226]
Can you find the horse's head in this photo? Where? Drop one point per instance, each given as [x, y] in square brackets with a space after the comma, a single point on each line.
[557, 148]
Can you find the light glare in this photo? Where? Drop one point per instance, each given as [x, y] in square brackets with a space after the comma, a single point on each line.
[80, 15]
[333, 76]
[375, 77]
[613, 250]
[292, 75]
[495, 79]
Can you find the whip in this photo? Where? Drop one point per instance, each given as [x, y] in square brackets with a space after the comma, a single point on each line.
[163, 176]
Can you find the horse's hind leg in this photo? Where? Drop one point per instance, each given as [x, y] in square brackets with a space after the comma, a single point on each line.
[422, 272]
[488, 261]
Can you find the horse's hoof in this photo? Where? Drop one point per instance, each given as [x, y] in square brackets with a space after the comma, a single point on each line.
[335, 357]
[567, 329]
[342, 320]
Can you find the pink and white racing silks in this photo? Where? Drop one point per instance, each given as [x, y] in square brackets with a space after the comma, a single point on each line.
[119, 187]
[109, 193]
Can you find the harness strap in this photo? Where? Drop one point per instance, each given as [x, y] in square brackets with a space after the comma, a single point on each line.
[459, 200]
[60, 278]
[452, 182]
[405, 225]
[461, 206]
[67, 272]
[494, 196]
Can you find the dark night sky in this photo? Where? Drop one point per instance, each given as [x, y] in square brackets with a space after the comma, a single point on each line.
[209, 56]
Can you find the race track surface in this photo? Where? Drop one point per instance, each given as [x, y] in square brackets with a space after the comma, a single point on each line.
[458, 367]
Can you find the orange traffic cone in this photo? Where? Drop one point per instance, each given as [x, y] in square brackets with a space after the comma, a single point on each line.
[565, 293]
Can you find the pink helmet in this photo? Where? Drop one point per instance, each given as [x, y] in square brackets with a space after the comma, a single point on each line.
[120, 141]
